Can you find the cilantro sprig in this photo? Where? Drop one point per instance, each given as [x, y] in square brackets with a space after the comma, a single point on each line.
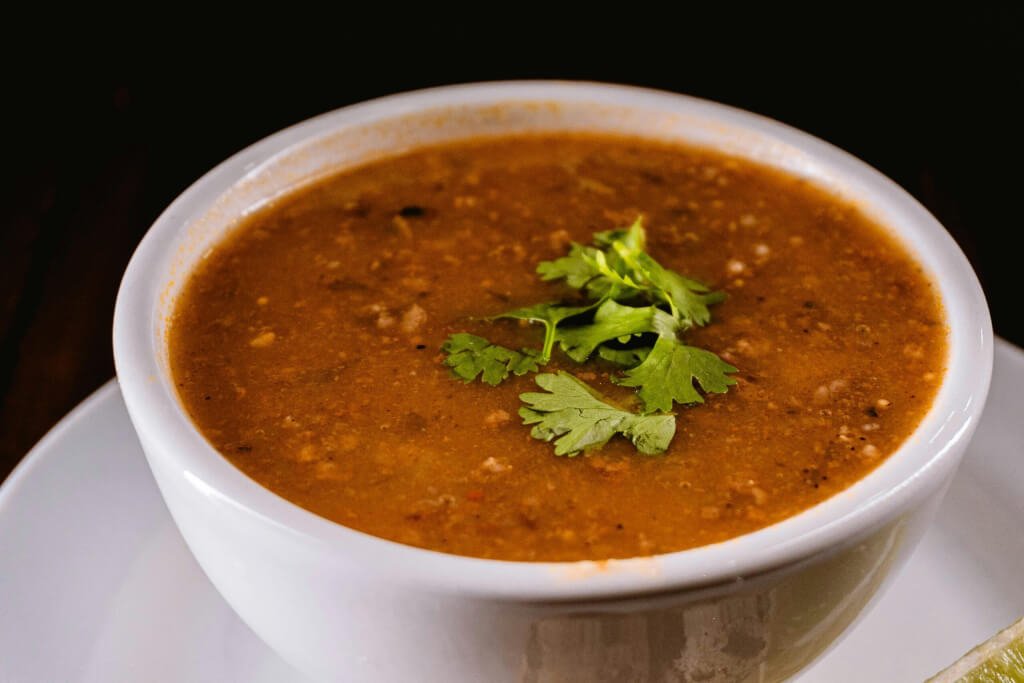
[619, 268]
[671, 373]
[470, 355]
[633, 315]
[549, 315]
[577, 418]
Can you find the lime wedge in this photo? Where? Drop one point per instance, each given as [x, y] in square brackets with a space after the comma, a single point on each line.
[998, 660]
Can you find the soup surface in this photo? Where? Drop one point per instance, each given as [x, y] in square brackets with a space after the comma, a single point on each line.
[306, 347]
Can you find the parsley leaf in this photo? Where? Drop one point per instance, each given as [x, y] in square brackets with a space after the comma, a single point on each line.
[577, 419]
[549, 315]
[671, 371]
[613, 321]
[470, 355]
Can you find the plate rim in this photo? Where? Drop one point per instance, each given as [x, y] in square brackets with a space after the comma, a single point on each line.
[16, 478]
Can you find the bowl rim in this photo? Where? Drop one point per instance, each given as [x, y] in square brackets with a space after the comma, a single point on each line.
[916, 469]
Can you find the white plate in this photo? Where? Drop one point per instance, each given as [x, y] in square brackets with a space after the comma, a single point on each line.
[97, 585]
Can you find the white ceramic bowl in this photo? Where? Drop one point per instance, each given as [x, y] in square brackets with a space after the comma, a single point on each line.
[342, 605]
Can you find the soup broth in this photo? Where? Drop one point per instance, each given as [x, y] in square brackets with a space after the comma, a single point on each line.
[306, 347]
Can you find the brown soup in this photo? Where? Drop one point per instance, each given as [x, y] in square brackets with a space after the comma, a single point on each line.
[306, 347]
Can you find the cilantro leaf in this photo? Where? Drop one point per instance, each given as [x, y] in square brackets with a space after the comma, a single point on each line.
[625, 357]
[618, 267]
[621, 247]
[613, 321]
[673, 371]
[601, 273]
[577, 268]
[549, 315]
[577, 419]
[688, 298]
[470, 355]
[634, 238]
[614, 279]
[631, 295]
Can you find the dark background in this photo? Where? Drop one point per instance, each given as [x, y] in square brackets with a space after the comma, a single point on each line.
[100, 141]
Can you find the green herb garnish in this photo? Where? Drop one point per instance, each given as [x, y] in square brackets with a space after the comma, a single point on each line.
[550, 315]
[633, 316]
[671, 372]
[623, 270]
[578, 418]
[470, 355]
[624, 357]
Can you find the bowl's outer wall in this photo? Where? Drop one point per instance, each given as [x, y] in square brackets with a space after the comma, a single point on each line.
[337, 622]
[366, 609]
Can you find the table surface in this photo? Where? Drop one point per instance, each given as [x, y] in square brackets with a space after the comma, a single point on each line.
[99, 152]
